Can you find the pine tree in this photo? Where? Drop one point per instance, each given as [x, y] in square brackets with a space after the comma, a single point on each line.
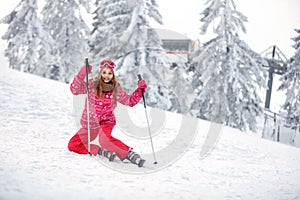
[28, 43]
[291, 83]
[230, 72]
[180, 87]
[112, 17]
[62, 19]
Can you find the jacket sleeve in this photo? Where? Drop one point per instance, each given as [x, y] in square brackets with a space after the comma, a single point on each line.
[129, 100]
[78, 85]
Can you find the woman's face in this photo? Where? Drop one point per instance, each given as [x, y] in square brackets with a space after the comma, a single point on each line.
[106, 75]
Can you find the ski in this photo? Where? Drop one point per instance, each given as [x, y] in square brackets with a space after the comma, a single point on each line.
[139, 162]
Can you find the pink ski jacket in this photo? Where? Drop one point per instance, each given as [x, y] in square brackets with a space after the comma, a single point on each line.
[102, 112]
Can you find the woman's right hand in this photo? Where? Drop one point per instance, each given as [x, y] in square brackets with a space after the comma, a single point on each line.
[82, 71]
[142, 85]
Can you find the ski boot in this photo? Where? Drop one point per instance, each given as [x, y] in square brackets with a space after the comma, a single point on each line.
[135, 158]
[110, 155]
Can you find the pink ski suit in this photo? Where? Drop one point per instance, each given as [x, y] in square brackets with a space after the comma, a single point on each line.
[102, 119]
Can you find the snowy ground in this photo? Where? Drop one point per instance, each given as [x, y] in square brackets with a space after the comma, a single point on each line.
[36, 123]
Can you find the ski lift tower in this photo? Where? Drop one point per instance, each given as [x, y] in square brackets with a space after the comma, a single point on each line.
[277, 64]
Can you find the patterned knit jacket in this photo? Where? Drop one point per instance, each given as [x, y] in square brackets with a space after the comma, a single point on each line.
[102, 111]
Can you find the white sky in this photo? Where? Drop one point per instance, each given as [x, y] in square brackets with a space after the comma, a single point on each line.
[270, 22]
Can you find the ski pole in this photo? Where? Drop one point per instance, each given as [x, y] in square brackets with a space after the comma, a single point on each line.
[155, 162]
[87, 67]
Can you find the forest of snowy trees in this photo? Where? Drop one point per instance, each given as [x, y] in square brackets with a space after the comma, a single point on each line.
[218, 82]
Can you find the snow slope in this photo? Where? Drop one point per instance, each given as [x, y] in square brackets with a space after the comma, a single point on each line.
[36, 123]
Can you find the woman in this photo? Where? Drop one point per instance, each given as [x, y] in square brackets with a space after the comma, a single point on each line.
[104, 93]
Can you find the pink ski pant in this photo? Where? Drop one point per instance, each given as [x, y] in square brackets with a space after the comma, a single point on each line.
[79, 142]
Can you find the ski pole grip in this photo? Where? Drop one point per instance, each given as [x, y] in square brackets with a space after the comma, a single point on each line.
[140, 78]
[87, 66]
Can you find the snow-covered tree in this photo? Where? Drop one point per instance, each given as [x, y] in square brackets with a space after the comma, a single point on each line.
[183, 90]
[291, 83]
[28, 43]
[122, 33]
[114, 22]
[62, 19]
[230, 72]
[112, 17]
